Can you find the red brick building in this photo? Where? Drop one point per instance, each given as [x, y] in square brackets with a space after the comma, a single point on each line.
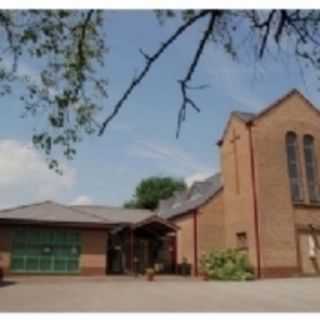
[266, 200]
[50, 238]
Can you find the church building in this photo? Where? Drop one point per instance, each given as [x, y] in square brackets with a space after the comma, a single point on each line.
[265, 201]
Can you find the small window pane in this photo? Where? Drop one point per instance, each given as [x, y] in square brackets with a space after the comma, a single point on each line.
[291, 153]
[294, 166]
[293, 171]
[311, 168]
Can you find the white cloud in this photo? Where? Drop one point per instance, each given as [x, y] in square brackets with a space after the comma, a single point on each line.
[81, 200]
[170, 158]
[199, 176]
[240, 79]
[25, 177]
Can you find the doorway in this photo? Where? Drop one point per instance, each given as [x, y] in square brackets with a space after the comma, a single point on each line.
[310, 252]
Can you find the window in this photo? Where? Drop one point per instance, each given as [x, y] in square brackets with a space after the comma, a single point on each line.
[242, 241]
[311, 168]
[294, 166]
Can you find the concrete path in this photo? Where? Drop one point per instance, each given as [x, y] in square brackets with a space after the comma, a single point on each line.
[167, 294]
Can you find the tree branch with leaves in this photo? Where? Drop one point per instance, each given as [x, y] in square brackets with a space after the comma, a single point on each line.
[68, 49]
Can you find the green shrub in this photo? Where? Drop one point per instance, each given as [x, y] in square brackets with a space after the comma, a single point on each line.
[230, 264]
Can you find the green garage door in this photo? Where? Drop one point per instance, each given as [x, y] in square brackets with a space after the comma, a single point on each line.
[46, 251]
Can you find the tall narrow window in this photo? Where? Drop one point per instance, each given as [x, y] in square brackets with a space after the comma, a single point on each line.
[294, 166]
[311, 168]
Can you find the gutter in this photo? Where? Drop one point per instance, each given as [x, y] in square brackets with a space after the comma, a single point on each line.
[255, 204]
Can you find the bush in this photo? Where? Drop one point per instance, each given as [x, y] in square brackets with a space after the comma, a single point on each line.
[230, 264]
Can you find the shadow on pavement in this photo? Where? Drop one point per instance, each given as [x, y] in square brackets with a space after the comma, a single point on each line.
[7, 283]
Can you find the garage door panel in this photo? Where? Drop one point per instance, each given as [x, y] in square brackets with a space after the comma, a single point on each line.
[45, 251]
[60, 265]
[32, 264]
[18, 263]
[46, 264]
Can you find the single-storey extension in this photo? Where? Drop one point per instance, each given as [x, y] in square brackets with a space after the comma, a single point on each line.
[50, 238]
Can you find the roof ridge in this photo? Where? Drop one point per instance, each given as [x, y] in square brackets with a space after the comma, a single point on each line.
[85, 213]
[55, 204]
[240, 111]
[283, 98]
[107, 207]
[27, 205]
[267, 108]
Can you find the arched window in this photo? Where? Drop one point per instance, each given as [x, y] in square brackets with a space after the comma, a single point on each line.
[311, 168]
[294, 166]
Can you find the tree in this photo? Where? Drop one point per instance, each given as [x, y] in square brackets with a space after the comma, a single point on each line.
[69, 47]
[150, 191]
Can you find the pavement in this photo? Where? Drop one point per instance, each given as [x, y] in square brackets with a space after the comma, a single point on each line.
[166, 294]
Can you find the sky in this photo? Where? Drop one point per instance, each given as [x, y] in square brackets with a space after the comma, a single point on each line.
[141, 141]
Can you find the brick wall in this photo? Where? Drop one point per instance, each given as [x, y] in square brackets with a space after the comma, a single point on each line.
[277, 216]
[238, 202]
[185, 241]
[93, 256]
[211, 231]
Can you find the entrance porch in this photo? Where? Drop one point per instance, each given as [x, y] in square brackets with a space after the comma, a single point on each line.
[149, 244]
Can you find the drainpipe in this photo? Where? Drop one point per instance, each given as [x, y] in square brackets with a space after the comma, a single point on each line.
[131, 250]
[255, 205]
[173, 246]
[195, 242]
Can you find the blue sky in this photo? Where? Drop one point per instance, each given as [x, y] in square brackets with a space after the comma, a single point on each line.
[141, 141]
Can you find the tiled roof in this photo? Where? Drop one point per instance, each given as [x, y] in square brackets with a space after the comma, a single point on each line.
[115, 214]
[192, 198]
[52, 212]
[49, 211]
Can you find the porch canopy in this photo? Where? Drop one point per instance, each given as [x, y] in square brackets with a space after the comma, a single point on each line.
[155, 225]
[133, 247]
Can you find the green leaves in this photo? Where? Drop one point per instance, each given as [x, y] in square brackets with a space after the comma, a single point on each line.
[229, 264]
[55, 59]
[151, 190]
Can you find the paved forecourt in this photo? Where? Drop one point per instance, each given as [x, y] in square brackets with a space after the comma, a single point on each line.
[166, 294]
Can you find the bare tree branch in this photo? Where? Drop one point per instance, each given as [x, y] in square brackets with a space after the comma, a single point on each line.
[282, 22]
[267, 25]
[149, 62]
[186, 100]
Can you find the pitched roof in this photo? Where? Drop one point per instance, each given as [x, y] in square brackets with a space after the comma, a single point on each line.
[50, 212]
[194, 197]
[244, 116]
[248, 117]
[115, 214]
